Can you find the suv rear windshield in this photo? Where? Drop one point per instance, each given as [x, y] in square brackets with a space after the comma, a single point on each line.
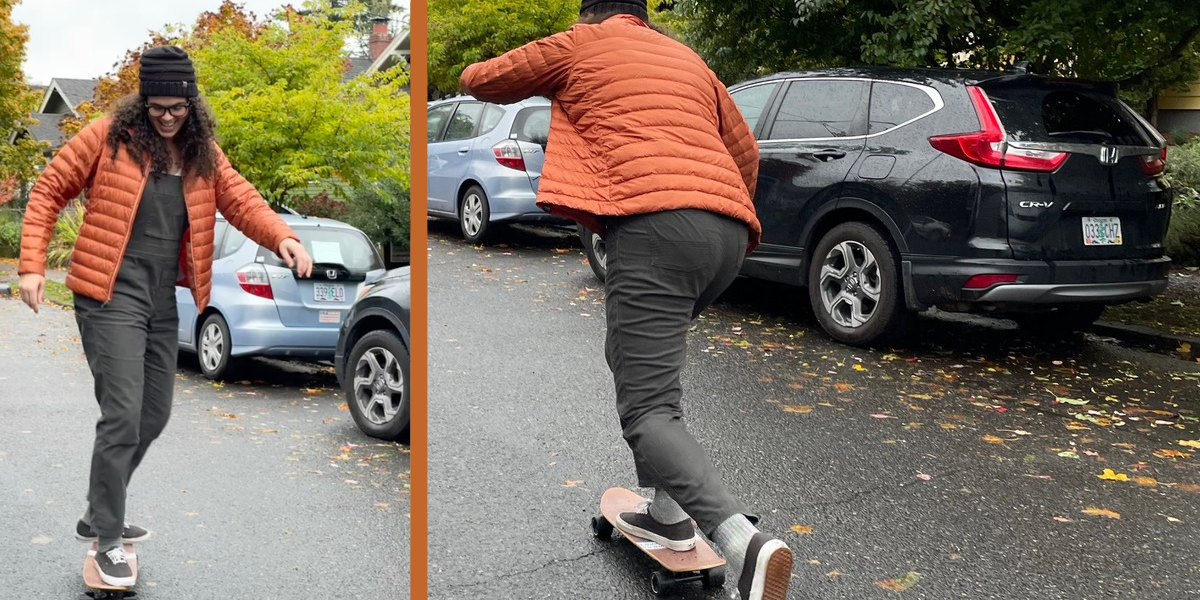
[1075, 116]
[532, 125]
[345, 247]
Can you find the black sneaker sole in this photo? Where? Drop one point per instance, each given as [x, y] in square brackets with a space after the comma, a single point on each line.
[88, 540]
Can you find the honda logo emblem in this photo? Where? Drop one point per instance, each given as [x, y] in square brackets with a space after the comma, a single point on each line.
[1109, 155]
[331, 273]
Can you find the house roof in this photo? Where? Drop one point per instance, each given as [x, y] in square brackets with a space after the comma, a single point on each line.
[46, 129]
[398, 50]
[72, 91]
[356, 66]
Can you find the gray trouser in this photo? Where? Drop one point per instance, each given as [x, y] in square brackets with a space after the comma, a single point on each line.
[664, 269]
[131, 346]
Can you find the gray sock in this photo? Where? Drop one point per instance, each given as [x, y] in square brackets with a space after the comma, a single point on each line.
[733, 536]
[665, 510]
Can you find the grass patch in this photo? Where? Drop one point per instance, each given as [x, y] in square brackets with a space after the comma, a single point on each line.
[1176, 310]
[55, 291]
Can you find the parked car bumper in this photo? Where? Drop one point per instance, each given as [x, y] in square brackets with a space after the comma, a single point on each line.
[264, 337]
[936, 281]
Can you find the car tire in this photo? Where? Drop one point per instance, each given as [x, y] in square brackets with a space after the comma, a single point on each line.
[474, 215]
[376, 371]
[1059, 320]
[854, 285]
[214, 348]
[593, 246]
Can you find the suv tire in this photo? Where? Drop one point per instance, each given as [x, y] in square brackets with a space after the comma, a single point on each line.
[474, 215]
[376, 382]
[858, 299]
[593, 247]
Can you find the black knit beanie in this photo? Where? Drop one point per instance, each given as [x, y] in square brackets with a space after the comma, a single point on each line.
[167, 71]
[636, 8]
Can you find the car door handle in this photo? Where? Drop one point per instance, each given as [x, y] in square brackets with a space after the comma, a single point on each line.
[463, 150]
[829, 154]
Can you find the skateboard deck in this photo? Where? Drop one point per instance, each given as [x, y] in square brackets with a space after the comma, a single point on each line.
[101, 590]
[701, 563]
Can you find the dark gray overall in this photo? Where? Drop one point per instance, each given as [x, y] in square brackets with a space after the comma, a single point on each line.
[131, 346]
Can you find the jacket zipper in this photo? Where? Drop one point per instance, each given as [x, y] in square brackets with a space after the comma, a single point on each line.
[137, 203]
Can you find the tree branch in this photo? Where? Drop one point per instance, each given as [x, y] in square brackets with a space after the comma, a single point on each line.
[1176, 53]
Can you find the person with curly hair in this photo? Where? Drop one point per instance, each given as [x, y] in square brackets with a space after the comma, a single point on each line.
[153, 178]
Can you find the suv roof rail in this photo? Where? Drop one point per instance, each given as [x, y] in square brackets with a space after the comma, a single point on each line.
[1021, 67]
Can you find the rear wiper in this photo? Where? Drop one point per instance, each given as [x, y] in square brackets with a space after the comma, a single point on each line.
[1103, 135]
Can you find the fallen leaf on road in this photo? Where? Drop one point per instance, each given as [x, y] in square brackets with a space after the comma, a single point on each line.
[1110, 475]
[1145, 481]
[883, 416]
[1170, 518]
[1077, 426]
[1169, 453]
[1101, 512]
[572, 483]
[924, 476]
[311, 390]
[1188, 487]
[992, 439]
[859, 367]
[802, 529]
[948, 425]
[41, 540]
[798, 408]
[1063, 520]
[1069, 454]
[1190, 444]
[833, 573]
[900, 584]
[843, 387]
[343, 406]
[1046, 477]
[191, 514]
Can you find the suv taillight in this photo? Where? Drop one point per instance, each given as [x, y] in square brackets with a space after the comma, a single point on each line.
[1154, 165]
[254, 279]
[986, 146]
[508, 153]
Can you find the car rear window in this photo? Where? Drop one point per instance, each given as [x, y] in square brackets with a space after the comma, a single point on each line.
[893, 104]
[346, 247]
[532, 125]
[1074, 116]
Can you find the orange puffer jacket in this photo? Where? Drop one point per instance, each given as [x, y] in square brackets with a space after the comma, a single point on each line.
[638, 123]
[114, 189]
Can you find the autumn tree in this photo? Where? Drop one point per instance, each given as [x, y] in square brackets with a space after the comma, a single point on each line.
[1146, 46]
[19, 160]
[286, 117]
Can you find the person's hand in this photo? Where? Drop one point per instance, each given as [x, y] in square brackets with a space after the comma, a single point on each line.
[296, 257]
[33, 290]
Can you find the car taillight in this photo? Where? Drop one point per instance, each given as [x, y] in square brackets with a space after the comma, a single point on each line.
[1154, 165]
[983, 282]
[986, 146]
[254, 279]
[508, 153]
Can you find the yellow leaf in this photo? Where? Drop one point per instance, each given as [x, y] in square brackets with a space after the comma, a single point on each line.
[901, 583]
[1110, 475]
[1145, 481]
[948, 425]
[1077, 426]
[991, 439]
[921, 396]
[1169, 453]
[797, 408]
[311, 390]
[1101, 512]
[802, 529]
[1190, 444]
[833, 573]
[1184, 348]
[859, 367]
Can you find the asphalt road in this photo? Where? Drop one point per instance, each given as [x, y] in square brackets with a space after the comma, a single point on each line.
[258, 490]
[964, 463]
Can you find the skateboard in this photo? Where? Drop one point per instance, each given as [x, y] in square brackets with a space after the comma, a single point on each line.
[698, 564]
[98, 590]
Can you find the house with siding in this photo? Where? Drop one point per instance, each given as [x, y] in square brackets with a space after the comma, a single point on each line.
[1179, 110]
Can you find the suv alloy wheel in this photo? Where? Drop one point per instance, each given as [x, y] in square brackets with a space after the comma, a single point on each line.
[854, 285]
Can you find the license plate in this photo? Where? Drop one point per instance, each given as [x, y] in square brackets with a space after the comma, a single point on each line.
[1101, 231]
[333, 292]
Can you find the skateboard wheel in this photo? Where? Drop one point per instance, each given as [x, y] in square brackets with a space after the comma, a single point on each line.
[662, 583]
[713, 578]
[601, 528]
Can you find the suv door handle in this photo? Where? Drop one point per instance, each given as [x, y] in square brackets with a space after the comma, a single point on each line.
[464, 150]
[829, 154]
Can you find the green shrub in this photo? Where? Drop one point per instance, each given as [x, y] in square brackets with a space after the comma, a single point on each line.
[10, 233]
[1183, 237]
[66, 231]
[382, 212]
[1183, 171]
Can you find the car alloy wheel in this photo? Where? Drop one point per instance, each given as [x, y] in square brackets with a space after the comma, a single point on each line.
[212, 346]
[472, 217]
[850, 284]
[378, 385]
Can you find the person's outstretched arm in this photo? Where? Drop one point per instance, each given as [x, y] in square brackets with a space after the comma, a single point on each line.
[535, 69]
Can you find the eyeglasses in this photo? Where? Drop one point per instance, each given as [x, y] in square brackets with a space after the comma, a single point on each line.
[177, 110]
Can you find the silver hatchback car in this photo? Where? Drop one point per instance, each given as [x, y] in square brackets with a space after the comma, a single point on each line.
[485, 161]
[260, 308]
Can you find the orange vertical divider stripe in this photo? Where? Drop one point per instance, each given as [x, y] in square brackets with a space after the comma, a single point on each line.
[419, 319]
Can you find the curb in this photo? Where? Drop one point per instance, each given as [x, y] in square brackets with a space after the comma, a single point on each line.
[1144, 336]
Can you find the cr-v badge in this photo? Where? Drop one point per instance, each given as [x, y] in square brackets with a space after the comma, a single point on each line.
[1028, 204]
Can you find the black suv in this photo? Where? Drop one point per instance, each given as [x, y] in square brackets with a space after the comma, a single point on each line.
[886, 191]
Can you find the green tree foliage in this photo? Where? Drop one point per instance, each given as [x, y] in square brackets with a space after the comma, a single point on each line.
[286, 118]
[18, 161]
[1146, 46]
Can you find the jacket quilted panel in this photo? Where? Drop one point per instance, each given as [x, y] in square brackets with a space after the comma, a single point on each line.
[114, 188]
[638, 123]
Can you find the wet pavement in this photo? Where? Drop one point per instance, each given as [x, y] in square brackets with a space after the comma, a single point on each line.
[973, 460]
[260, 488]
